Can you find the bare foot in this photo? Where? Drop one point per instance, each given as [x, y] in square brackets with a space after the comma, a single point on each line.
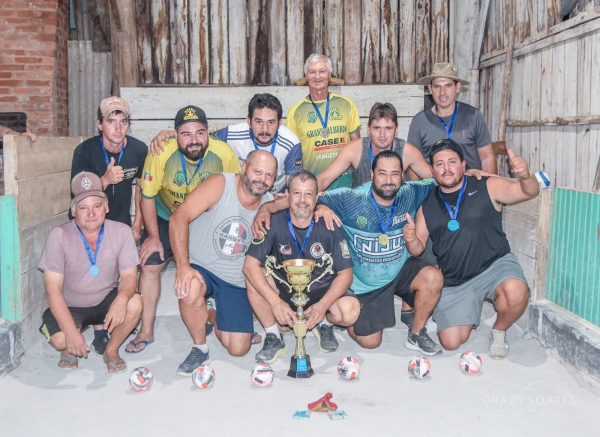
[256, 338]
[113, 361]
[68, 361]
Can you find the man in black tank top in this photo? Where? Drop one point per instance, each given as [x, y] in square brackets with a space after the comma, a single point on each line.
[359, 154]
[464, 218]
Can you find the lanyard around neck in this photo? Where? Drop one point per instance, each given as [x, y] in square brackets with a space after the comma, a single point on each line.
[106, 156]
[452, 120]
[273, 144]
[306, 237]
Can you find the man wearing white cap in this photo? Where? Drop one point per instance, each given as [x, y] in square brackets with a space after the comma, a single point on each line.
[90, 276]
[450, 119]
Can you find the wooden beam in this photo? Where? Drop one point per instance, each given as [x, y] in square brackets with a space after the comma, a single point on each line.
[542, 245]
[295, 39]
[179, 36]
[390, 72]
[123, 45]
[558, 121]
[258, 42]
[370, 42]
[144, 42]
[199, 38]
[238, 42]
[483, 13]
[313, 27]
[161, 56]
[407, 42]
[219, 42]
[277, 52]
[334, 35]
[422, 39]
[439, 31]
[352, 41]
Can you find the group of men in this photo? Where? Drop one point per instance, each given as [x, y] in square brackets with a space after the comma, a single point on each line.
[221, 204]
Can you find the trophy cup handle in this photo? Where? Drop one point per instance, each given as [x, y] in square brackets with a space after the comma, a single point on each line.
[325, 260]
[270, 266]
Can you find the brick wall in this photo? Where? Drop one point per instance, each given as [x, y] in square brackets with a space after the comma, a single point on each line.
[33, 63]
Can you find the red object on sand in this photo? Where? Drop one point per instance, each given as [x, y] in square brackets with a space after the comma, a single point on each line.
[323, 404]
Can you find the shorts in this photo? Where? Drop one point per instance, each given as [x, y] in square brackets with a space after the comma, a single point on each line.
[377, 310]
[234, 313]
[83, 317]
[462, 304]
[163, 235]
[287, 297]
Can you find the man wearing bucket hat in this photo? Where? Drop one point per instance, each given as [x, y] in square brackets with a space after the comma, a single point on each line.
[168, 179]
[90, 277]
[450, 119]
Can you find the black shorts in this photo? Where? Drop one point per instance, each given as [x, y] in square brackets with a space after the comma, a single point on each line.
[163, 235]
[287, 297]
[83, 317]
[377, 310]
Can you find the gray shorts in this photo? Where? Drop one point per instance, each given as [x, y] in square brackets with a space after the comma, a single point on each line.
[461, 305]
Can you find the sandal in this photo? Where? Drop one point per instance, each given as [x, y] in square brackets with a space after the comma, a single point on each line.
[69, 360]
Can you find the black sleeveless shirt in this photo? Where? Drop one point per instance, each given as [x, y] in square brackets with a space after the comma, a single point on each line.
[362, 173]
[478, 242]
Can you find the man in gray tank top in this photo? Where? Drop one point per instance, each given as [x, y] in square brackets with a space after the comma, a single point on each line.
[382, 129]
[210, 233]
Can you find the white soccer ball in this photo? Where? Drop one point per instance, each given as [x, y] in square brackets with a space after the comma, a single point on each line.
[419, 367]
[203, 377]
[470, 362]
[141, 379]
[348, 368]
[262, 375]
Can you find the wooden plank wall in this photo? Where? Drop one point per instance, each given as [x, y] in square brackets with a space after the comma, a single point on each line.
[554, 112]
[38, 174]
[266, 41]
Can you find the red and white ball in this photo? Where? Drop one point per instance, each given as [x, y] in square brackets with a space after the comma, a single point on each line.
[141, 379]
[262, 375]
[203, 377]
[419, 367]
[470, 362]
[348, 368]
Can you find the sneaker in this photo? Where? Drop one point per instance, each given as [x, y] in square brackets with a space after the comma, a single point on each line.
[273, 348]
[99, 343]
[407, 317]
[422, 342]
[210, 304]
[481, 323]
[195, 359]
[325, 337]
[498, 345]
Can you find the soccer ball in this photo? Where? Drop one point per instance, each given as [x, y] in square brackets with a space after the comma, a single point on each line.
[262, 375]
[419, 367]
[470, 362]
[141, 379]
[203, 377]
[348, 368]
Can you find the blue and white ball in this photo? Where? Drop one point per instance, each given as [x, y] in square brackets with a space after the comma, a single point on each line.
[470, 362]
[348, 368]
[419, 367]
[141, 379]
[543, 179]
[262, 375]
[203, 377]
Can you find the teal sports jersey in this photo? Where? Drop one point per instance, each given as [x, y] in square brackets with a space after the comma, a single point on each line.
[375, 265]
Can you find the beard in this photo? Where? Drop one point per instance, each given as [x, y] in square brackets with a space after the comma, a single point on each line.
[298, 213]
[193, 156]
[256, 188]
[264, 142]
[451, 184]
[386, 193]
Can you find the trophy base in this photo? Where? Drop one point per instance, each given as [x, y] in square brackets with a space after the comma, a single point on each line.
[300, 368]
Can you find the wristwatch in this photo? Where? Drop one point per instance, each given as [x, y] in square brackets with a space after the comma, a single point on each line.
[531, 174]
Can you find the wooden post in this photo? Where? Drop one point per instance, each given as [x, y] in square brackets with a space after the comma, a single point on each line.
[178, 24]
[313, 27]
[123, 42]
[439, 31]
[422, 39]
[199, 37]
[334, 34]
[352, 41]
[389, 41]
[277, 53]
[542, 244]
[506, 85]
[295, 39]
[407, 41]
[238, 42]
[160, 42]
[219, 42]
[371, 28]
[144, 43]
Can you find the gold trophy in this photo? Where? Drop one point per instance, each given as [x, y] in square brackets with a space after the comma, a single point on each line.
[299, 273]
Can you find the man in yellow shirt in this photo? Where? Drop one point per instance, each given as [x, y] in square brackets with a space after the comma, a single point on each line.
[167, 180]
[325, 122]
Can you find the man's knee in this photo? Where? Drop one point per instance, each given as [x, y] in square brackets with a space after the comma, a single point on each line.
[349, 308]
[237, 344]
[452, 338]
[513, 292]
[430, 278]
[134, 306]
[58, 341]
[152, 270]
[371, 341]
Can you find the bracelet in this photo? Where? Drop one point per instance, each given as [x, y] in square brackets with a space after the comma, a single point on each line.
[531, 174]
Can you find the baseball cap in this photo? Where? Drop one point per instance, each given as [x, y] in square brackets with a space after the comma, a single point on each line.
[86, 184]
[446, 144]
[190, 114]
[112, 104]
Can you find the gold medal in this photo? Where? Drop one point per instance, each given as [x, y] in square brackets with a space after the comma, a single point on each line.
[384, 240]
[324, 132]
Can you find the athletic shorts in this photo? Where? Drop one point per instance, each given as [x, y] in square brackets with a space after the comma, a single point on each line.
[234, 313]
[377, 310]
[163, 235]
[287, 297]
[462, 304]
[83, 317]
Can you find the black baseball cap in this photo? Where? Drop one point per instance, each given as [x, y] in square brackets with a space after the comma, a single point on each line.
[446, 144]
[190, 114]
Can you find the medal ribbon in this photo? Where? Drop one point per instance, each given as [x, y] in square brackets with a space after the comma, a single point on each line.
[448, 128]
[371, 156]
[106, 156]
[384, 227]
[323, 122]
[273, 144]
[291, 228]
[454, 212]
[87, 246]
[183, 166]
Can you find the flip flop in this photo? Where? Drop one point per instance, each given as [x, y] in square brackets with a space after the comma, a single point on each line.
[256, 338]
[134, 344]
[114, 363]
[69, 360]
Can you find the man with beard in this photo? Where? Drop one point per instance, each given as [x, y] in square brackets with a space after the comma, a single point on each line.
[262, 130]
[464, 218]
[168, 179]
[210, 233]
[373, 217]
[295, 234]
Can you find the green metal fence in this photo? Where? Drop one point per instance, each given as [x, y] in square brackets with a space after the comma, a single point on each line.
[573, 274]
[10, 276]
